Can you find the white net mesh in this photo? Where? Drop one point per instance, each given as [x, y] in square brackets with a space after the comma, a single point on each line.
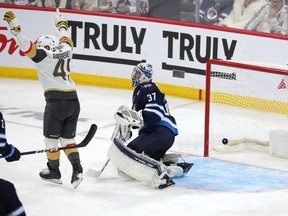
[246, 101]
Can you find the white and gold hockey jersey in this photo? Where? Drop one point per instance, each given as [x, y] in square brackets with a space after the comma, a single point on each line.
[54, 71]
[53, 67]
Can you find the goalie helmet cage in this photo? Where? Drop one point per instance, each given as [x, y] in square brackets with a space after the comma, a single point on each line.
[244, 101]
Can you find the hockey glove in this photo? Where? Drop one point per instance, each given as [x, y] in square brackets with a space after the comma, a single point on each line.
[10, 18]
[129, 117]
[12, 153]
[122, 132]
[61, 22]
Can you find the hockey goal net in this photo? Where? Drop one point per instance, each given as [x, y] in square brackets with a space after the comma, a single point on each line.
[244, 102]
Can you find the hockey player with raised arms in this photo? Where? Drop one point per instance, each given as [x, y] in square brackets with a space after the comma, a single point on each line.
[143, 157]
[52, 56]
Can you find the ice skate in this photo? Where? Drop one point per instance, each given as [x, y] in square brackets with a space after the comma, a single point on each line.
[185, 166]
[51, 175]
[162, 181]
[77, 175]
[166, 181]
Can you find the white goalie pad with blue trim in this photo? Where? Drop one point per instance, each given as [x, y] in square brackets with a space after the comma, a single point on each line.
[138, 166]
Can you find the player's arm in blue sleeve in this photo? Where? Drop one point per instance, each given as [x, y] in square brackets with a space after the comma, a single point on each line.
[8, 151]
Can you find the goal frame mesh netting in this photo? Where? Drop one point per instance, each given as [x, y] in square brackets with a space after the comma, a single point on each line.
[225, 74]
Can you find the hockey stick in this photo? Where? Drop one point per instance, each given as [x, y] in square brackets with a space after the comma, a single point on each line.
[122, 132]
[94, 173]
[84, 143]
[57, 3]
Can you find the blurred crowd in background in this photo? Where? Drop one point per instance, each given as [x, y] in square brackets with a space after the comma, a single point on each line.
[258, 15]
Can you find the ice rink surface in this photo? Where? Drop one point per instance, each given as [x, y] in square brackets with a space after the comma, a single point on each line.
[245, 183]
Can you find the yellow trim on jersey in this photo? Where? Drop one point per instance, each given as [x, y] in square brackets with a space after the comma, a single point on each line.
[32, 52]
[63, 23]
[67, 40]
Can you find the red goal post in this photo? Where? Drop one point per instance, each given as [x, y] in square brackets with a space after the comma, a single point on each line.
[244, 101]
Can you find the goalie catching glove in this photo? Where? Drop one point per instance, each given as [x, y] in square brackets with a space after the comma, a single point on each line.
[129, 117]
[10, 18]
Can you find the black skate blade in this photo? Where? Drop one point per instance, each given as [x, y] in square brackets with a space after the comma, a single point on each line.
[185, 166]
[169, 183]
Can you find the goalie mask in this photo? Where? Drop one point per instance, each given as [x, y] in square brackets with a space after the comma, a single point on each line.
[48, 42]
[142, 73]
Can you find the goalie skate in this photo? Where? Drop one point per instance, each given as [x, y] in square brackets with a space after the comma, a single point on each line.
[168, 182]
[185, 166]
[163, 181]
[171, 160]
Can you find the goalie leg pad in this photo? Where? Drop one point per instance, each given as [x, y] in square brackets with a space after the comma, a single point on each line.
[138, 166]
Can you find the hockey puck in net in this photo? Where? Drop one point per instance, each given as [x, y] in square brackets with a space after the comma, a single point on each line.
[224, 141]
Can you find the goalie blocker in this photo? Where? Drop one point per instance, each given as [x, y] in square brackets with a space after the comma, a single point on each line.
[144, 168]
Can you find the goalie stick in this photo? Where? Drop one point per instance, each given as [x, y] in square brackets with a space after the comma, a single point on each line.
[94, 173]
[82, 144]
[121, 131]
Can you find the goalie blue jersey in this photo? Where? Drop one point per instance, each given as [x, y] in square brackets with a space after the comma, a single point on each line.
[155, 110]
